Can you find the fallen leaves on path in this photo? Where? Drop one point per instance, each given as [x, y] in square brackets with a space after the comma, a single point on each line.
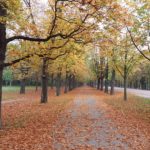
[98, 127]
[84, 125]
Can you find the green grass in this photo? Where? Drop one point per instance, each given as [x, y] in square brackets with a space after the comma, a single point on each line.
[14, 88]
[12, 92]
[10, 88]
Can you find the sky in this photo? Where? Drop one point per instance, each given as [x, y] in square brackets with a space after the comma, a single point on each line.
[44, 1]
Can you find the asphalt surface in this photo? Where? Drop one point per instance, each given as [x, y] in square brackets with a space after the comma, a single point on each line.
[137, 92]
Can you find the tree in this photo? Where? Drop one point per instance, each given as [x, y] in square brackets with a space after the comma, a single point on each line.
[8, 76]
[29, 25]
[140, 30]
[125, 61]
[6, 6]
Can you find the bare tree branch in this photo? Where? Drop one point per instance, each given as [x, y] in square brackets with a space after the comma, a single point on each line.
[54, 58]
[54, 20]
[132, 39]
[31, 55]
[61, 35]
[16, 61]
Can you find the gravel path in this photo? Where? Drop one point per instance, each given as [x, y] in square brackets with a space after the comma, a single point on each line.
[87, 127]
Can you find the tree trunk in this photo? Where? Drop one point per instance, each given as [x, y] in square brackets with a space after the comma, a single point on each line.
[66, 83]
[10, 83]
[70, 82]
[58, 84]
[1, 80]
[125, 74]
[125, 82]
[52, 81]
[101, 74]
[112, 82]
[44, 94]
[125, 88]
[36, 84]
[22, 86]
[98, 83]
[102, 83]
[3, 47]
[73, 82]
[106, 79]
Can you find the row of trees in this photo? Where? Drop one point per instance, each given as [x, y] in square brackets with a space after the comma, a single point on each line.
[57, 31]
[59, 27]
[72, 40]
[139, 77]
[122, 53]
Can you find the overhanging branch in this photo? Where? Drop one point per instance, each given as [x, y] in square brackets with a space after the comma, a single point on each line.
[50, 36]
[30, 55]
[132, 39]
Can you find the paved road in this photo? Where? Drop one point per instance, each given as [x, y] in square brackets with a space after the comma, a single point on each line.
[141, 93]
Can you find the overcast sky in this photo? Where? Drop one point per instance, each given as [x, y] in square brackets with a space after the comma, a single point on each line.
[44, 1]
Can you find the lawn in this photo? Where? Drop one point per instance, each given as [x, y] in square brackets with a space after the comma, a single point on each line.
[12, 92]
[15, 88]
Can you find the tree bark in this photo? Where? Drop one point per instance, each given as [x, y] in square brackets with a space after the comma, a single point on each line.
[70, 82]
[101, 83]
[52, 81]
[125, 73]
[3, 47]
[1, 79]
[106, 79]
[44, 92]
[36, 84]
[73, 82]
[112, 82]
[98, 83]
[58, 84]
[22, 86]
[125, 82]
[66, 83]
[125, 88]
[10, 83]
[101, 74]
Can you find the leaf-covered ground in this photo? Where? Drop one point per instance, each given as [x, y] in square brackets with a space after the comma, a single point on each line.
[79, 120]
